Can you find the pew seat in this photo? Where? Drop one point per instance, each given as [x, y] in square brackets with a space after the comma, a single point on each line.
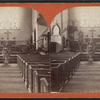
[41, 73]
[36, 66]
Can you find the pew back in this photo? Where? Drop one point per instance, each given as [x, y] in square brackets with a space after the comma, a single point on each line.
[62, 71]
[42, 73]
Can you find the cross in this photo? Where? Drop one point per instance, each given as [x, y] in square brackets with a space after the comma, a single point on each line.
[92, 32]
[7, 35]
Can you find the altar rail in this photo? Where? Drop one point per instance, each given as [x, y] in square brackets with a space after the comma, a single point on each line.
[62, 70]
[12, 59]
[33, 68]
[15, 49]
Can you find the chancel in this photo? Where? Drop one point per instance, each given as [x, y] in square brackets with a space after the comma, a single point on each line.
[75, 67]
[24, 40]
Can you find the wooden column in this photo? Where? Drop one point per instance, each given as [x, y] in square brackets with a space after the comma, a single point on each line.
[35, 28]
[35, 39]
[48, 41]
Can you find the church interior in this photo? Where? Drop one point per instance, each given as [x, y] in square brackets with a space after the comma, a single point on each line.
[75, 50]
[24, 53]
[36, 59]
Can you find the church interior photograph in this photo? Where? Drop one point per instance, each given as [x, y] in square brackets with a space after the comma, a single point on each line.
[75, 50]
[62, 59]
[24, 53]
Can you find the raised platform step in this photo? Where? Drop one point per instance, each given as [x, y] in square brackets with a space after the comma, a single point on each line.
[12, 59]
[84, 56]
[86, 59]
[97, 46]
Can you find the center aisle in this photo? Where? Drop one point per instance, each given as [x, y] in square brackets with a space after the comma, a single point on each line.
[11, 80]
[85, 79]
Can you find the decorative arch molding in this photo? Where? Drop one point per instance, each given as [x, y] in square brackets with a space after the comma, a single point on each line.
[56, 30]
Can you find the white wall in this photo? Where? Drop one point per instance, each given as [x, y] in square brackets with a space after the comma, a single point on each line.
[62, 20]
[20, 16]
[85, 18]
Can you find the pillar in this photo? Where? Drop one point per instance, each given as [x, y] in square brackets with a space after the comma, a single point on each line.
[35, 28]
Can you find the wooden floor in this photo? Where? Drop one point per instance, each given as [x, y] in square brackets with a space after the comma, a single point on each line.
[11, 80]
[85, 79]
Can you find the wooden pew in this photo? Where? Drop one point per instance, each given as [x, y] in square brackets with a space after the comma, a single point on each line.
[38, 64]
[48, 79]
[22, 59]
[58, 72]
[30, 57]
[73, 61]
[62, 68]
[26, 65]
[58, 61]
[56, 77]
[62, 72]
[35, 74]
[44, 85]
[20, 62]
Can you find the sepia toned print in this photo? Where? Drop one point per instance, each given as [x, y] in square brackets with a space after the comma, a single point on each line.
[24, 58]
[62, 59]
[75, 50]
